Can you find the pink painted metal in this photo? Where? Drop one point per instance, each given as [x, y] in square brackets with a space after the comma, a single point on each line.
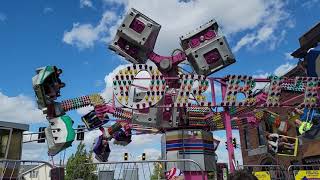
[190, 175]
[228, 127]
[176, 59]
[213, 93]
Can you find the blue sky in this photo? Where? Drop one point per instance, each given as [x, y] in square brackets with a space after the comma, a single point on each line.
[73, 35]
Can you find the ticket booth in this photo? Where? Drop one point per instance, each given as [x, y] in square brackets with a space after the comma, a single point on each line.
[11, 138]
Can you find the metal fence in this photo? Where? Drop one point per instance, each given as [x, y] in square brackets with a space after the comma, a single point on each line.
[145, 170]
[139, 170]
[24, 169]
[274, 172]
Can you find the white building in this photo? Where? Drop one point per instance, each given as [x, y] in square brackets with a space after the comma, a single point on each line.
[35, 172]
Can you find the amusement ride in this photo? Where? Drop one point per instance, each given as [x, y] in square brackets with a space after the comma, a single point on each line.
[175, 102]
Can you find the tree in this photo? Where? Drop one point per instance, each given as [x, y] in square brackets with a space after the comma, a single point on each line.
[76, 167]
[158, 172]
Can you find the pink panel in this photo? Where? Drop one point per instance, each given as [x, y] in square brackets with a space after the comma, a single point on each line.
[194, 175]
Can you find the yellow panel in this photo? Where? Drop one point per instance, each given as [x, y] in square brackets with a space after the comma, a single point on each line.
[310, 174]
[295, 147]
[262, 175]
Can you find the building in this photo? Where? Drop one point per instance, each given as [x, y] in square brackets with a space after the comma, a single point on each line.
[254, 142]
[253, 138]
[222, 171]
[105, 175]
[39, 171]
[11, 137]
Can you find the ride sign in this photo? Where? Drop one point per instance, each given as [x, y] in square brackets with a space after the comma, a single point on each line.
[308, 174]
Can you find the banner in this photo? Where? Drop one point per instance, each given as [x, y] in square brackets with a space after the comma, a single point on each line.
[262, 175]
[308, 174]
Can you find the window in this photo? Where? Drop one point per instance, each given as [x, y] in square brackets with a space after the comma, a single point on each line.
[261, 135]
[5, 135]
[246, 138]
[268, 127]
[34, 174]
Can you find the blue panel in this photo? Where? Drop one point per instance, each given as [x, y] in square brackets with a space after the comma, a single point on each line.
[313, 58]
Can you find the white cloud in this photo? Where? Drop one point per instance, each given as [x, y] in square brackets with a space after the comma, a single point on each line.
[151, 154]
[85, 35]
[82, 36]
[260, 85]
[108, 91]
[98, 83]
[261, 75]
[182, 17]
[247, 39]
[310, 3]
[283, 69]
[86, 3]
[268, 32]
[259, 17]
[90, 137]
[20, 109]
[279, 71]
[47, 10]
[145, 139]
[3, 17]
[84, 110]
[35, 151]
[288, 56]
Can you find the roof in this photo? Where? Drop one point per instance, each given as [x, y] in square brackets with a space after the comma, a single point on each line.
[24, 127]
[307, 41]
[24, 169]
[27, 168]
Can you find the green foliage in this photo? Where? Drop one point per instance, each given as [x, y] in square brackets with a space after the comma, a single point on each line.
[76, 167]
[158, 171]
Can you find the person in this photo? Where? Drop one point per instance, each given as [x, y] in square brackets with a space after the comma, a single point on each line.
[241, 175]
[174, 174]
[305, 124]
[276, 141]
[273, 140]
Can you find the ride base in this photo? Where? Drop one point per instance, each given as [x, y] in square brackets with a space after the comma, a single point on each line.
[195, 144]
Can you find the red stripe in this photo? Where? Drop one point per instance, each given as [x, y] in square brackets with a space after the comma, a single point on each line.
[189, 140]
[189, 148]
